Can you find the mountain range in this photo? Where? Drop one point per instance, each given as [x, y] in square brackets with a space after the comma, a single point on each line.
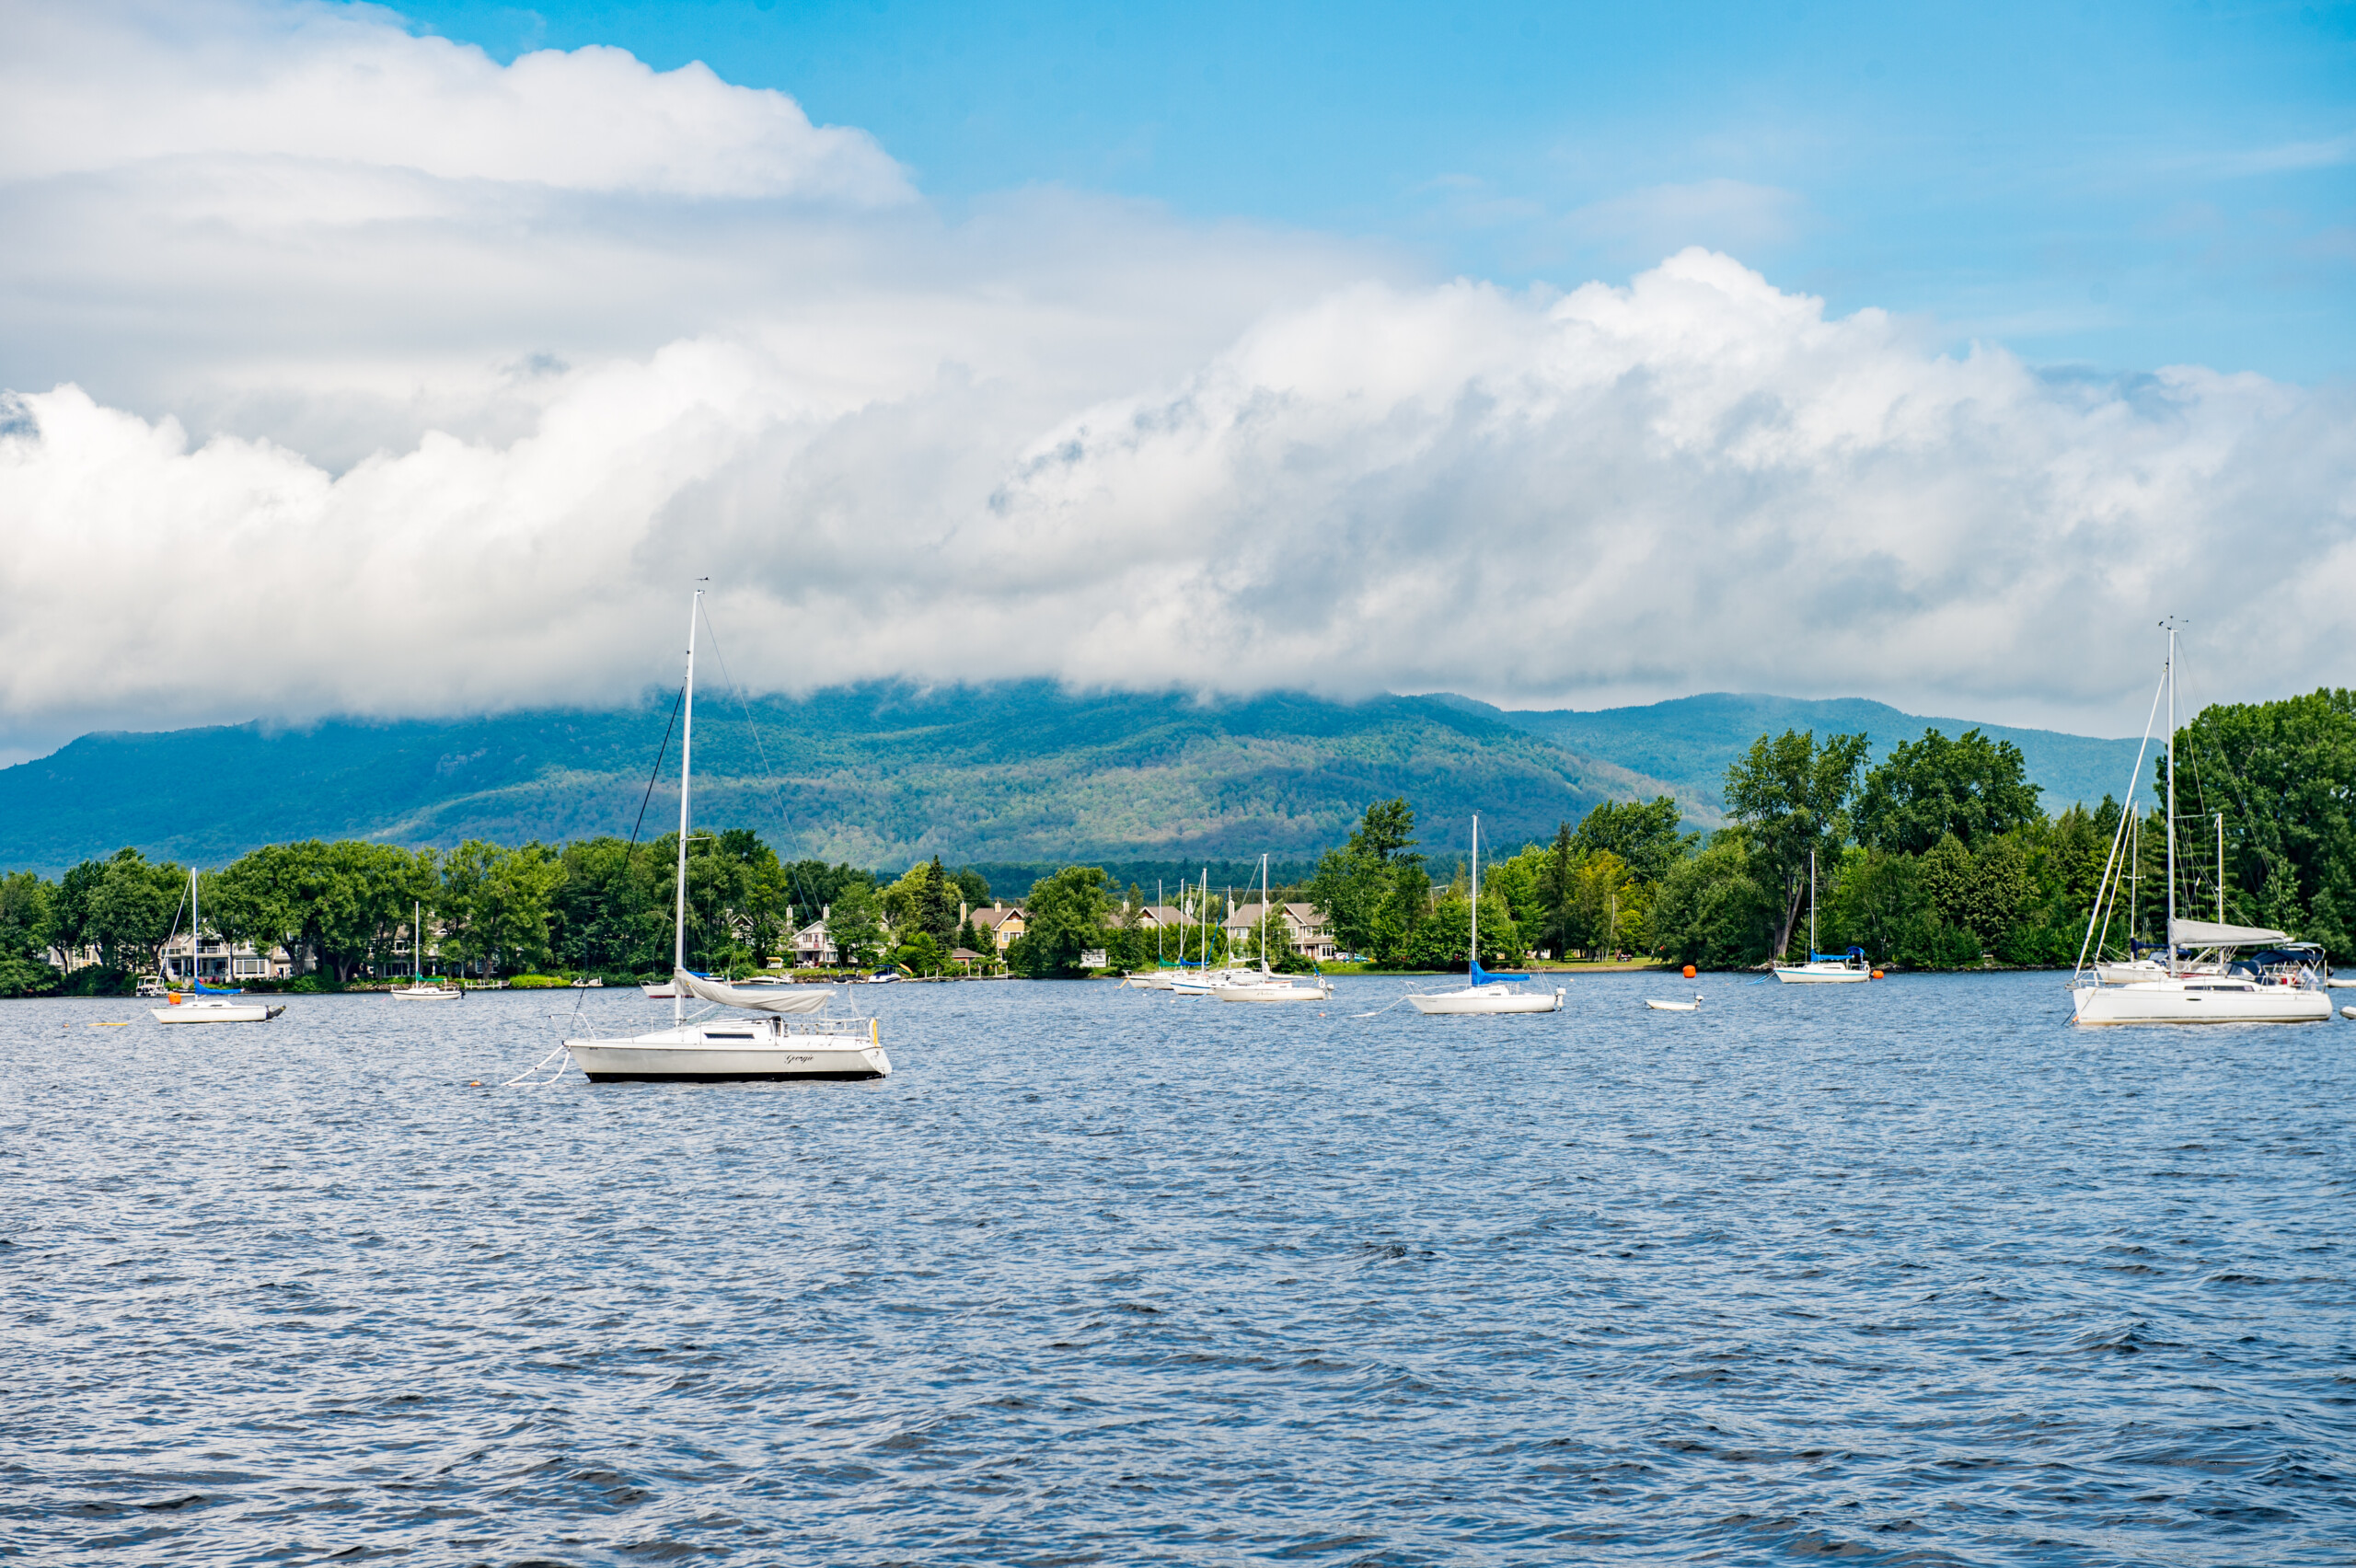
[1012, 777]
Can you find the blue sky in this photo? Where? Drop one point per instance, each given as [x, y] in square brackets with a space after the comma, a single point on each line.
[2113, 185]
[1558, 357]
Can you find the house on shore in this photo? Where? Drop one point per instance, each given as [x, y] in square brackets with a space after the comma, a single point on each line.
[1302, 922]
[1001, 923]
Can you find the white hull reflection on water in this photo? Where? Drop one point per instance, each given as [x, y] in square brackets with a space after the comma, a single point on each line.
[1918, 1272]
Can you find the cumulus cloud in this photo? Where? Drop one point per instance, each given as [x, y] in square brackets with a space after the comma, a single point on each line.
[361, 434]
[85, 88]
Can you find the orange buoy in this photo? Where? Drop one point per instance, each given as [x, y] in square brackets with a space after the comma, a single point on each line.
[1689, 971]
[1877, 973]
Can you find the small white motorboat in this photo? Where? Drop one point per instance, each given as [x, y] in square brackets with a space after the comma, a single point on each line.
[1693, 1006]
[592, 983]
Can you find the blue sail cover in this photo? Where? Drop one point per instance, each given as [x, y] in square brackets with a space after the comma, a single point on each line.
[1836, 957]
[217, 990]
[1483, 977]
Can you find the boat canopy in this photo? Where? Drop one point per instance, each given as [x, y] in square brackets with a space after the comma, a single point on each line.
[2208, 934]
[762, 999]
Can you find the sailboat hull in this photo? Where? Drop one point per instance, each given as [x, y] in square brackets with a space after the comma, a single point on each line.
[216, 1012]
[2166, 1001]
[1486, 1000]
[1273, 993]
[757, 1051]
[1821, 974]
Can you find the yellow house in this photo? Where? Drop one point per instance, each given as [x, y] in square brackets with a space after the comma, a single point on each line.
[1000, 923]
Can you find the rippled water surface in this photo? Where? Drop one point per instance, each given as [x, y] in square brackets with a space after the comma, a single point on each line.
[1907, 1273]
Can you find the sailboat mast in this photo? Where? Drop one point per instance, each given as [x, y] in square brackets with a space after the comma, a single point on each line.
[1473, 964]
[2220, 867]
[687, 739]
[1811, 906]
[195, 931]
[417, 942]
[2171, 936]
[1264, 910]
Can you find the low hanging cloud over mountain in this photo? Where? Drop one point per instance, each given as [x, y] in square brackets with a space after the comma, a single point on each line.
[355, 372]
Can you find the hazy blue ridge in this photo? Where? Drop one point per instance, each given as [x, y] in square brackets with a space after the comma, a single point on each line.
[1689, 741]
[1014, 775]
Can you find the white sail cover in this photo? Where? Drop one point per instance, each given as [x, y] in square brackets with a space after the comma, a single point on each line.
[799, 1001]
[2208, 934]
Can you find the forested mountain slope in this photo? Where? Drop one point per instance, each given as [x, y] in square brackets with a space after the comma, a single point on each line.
[877, 775]
[1687, 742]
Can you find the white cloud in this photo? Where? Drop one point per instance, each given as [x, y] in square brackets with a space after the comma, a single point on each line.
[369, 437]
[95, 87]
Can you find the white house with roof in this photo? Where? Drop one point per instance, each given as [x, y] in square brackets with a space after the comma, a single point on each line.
[218, 962]
[812, 948]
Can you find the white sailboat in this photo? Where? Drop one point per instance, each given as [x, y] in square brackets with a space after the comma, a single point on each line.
[1206, 981]
[2281, 983]
[1268, 986]
[787, 1035]
[1484, 992]
[1823, 968]
[196, 1006]
[416, 990]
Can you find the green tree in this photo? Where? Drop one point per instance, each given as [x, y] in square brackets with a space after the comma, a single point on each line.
[1356, 883]
[123, 906]
[1713, 911]
[1643, 834]
[610, 911]
[1065, 918]
[1444, 940]
[1791, 796]
[855, 922]
[2284, 776]
[1971, 786]
[924, 900]
[496, 903]
[25, 933]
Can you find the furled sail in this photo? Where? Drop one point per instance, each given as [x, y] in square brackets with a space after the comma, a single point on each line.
[2208, 934]
[801, 999]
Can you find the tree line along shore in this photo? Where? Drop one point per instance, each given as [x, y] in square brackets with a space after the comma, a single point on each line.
[1939, 857]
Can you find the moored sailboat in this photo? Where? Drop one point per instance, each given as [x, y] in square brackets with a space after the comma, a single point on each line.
[1822, 968]
[1484, 992]
[2281, 982]
[416, 990]
[1268, 985]
[787, 1037]
[198, 1005]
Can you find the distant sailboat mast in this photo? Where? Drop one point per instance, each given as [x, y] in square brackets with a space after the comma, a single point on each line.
[686, 737]
[2171, 626]
[1473, 967]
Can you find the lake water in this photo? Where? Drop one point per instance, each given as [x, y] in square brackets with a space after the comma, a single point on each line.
[1903, 1272]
